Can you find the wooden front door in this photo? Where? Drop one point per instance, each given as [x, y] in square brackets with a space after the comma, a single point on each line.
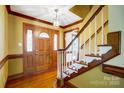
[42, 50]
[42, 56]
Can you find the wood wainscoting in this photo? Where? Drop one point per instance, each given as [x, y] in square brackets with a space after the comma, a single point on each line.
[10, 56]
[5, 59]
[114, 39]
[45, 80]
[14, 56]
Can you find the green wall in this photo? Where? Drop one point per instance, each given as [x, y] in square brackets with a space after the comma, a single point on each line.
[95, 78]
[116, 23]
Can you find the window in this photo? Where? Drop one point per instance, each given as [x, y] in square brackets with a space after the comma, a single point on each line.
[29, 40]
[43, 35]
[69, 36]
[55, 42]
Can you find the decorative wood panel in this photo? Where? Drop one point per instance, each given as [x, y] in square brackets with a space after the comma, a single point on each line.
[114, 39]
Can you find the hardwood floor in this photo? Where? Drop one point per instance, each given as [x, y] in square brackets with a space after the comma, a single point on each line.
[43, 80]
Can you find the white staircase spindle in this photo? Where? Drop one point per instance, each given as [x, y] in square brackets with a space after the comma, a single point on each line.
[95, 37]
[84, 44]
[69, 59]
[89, 39]
[66, 59]
[102, 20]
[58, 65]
[62, 62]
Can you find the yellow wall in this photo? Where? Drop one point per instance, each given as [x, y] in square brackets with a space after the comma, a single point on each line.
[16, 37]
[15, 66]
[16, 32]
[81, 10]
[3, 44]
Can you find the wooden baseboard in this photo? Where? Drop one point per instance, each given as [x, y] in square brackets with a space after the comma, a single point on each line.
[69, 85]
[16, 76]
[13, 77]
[114, 70]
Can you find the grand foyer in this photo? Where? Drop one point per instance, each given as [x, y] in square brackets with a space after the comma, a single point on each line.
[85, 48]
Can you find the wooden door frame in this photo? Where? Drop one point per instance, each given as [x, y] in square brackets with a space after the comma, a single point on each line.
[24, 43]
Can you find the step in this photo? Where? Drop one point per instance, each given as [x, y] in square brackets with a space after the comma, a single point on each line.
[104, 49]
[81, 62]
[69, 71]
[77, 66]
[89, 59]
[93, 55]
[64, 75]
[103, 45]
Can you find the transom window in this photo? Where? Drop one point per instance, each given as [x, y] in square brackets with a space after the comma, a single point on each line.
[43, 35]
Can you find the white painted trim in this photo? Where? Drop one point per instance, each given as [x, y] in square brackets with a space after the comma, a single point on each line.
[90, 38]
[95, 45]
[102, 18]
[84, 44]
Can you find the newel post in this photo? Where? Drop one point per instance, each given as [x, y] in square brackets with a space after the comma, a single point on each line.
[60, 62]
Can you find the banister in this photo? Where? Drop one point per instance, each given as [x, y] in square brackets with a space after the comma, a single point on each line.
[83, 28]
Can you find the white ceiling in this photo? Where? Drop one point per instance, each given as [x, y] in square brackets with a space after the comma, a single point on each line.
[47, 13]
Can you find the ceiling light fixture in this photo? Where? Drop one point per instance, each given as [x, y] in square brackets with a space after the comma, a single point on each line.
[56, 21]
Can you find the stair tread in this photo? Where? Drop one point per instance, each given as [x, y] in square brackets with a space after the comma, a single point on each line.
[92, 55]
[89, 59]
[69, 71]
[64, 75]
[104, 45]
[78, 66]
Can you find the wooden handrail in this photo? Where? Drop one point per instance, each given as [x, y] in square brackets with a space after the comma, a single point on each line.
[99, 9]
